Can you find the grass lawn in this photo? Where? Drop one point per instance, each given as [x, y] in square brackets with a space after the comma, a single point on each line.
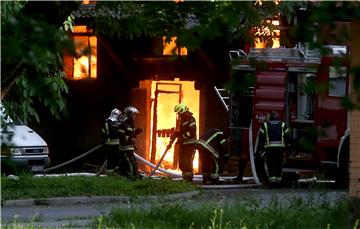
[25, 187]
[240, 215]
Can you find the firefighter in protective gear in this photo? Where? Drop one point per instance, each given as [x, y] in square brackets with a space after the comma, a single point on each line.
[127, 135]
[213, 154]
[110, 138]
[274, 140]
[186, 138]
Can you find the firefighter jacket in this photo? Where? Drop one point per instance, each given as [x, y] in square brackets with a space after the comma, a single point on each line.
[127, 135]
[273, 133]
[213, 141]
[109, 132]
[187, 132]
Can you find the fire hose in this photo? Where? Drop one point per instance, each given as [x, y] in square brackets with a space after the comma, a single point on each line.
[102, 167]
[168, 147]
[141, 159]
[74, 159]
[251, 152]
[156, 168]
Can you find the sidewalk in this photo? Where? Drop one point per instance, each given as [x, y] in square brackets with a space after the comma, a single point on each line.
[94, 199]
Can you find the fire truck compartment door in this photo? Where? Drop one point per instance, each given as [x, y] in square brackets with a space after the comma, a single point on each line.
[269, 95]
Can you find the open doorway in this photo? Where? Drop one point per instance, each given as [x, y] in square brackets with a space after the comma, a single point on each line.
[161, 119]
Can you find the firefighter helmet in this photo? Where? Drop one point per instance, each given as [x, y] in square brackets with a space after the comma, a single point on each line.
[180, 108]
[274, 115]
[115, 114]
[130, 110]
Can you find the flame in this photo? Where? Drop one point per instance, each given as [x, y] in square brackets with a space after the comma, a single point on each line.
[170, 48]
[80, 29]
[259, 2]
[83, 68]
[93, 46]
[264, 31]
[166, 117]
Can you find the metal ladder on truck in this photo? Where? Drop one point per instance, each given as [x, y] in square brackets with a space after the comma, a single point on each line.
[224, 96]
[225, 99]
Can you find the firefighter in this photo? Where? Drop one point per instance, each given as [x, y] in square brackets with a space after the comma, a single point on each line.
[127, 135]
[110, 138]
[186, 138]
[213, 154]
[274, 140]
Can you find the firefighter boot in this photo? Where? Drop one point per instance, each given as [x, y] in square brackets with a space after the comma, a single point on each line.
[206, 178]
[215, 179]
[188, 176]
[239, 178]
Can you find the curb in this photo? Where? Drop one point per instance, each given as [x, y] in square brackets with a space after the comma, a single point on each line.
[231, 186]
[93, 199]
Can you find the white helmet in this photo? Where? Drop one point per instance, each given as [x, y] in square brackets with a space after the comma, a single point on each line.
[130, 110]
[115, 114]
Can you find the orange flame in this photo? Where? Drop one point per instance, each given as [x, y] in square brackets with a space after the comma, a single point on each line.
[263, 32]
[170, 48]
[166, 117]
[83, 68]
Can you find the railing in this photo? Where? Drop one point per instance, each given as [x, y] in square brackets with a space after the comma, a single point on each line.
[301, 53]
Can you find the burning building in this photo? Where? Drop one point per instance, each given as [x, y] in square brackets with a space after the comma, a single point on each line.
[109, 72]
[150, 73]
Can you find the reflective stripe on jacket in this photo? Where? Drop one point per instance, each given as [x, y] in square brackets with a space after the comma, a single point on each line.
[274, 132]
[110, 132]
[127, 134]
[213, 142]
[187, 128]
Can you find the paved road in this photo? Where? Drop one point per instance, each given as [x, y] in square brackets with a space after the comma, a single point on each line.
[80, 215]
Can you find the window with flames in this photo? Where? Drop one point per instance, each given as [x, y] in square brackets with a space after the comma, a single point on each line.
[84, 65]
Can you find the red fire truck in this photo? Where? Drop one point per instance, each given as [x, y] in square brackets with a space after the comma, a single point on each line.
[306, 88]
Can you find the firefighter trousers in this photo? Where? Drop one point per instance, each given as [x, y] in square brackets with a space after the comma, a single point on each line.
[186, 157]
[128, 167]
[112, 155]
[210, 167]
[274, 157]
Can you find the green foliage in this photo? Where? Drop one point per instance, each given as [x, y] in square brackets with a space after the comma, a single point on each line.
[44, 187]
[31, 58]
[47, 90]
[192, 22]
[9, 8]
[245, 214]
[322, 21]
[240, 83]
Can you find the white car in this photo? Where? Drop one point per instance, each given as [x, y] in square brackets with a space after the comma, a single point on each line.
[21, 146]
